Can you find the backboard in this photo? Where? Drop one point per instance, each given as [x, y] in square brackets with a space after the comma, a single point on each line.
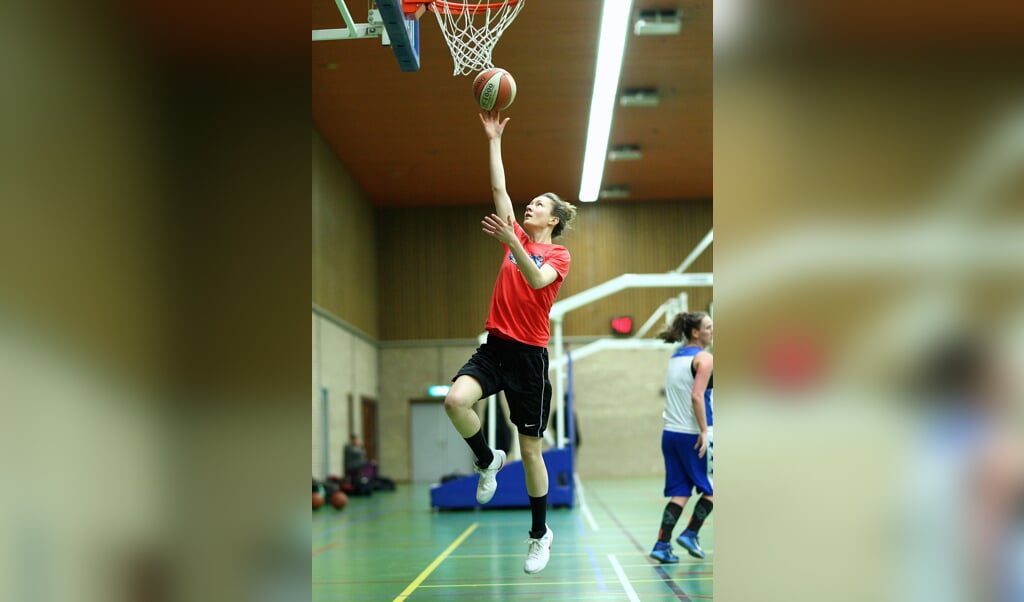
[471, 28]
[388, 22]
[403, 32]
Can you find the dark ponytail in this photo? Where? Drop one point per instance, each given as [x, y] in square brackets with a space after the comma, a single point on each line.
[682, 325]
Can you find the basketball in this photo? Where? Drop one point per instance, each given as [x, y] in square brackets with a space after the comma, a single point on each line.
[339, 500]
[318, 500]
[494, 89]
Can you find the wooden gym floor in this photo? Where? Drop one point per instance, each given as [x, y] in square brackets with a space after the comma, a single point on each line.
[393, 546]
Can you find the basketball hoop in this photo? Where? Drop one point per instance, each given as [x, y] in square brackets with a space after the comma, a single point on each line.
[472, 28]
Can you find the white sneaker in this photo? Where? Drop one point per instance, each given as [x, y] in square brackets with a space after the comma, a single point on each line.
[488, 483]
[539, 552]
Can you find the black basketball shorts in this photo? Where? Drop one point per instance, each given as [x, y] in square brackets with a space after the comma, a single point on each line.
[521, 371]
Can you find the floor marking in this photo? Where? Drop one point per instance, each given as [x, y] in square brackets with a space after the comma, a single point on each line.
[517, 555]
[433, 565]
[325, 548]
[669, 580]
[584, 508]
[528, 583]
[597, 569]
[623, 579]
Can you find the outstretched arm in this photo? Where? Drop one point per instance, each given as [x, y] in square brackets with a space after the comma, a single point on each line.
[493, 127]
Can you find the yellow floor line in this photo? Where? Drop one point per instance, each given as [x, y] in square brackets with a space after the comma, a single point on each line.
[516, 555]
[433, 565]
[535, 583]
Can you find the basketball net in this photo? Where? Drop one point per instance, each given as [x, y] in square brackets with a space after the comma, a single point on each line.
[472, 28]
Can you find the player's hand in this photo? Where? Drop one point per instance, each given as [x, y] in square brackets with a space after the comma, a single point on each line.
[493, 124]
[503, 231]
[702, 445]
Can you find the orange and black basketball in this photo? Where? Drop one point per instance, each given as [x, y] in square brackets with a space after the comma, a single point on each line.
[339, 500]
[494, 89]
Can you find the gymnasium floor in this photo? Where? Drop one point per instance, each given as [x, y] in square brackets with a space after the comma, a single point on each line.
[393, 546]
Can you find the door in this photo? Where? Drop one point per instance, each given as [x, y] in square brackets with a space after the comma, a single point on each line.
[437, 449]
[370, 426]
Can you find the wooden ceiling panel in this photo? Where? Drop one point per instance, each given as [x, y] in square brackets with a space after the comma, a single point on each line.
[414, 139]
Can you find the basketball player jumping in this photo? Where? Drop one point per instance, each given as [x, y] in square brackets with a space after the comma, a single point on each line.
[515, 357]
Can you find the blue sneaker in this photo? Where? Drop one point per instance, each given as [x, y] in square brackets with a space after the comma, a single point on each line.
[662, 552]
[691, 542]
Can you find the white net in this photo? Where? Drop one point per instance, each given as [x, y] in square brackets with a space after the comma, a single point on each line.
[472, 28]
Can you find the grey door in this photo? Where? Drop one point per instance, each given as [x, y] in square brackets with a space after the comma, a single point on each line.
[437, 448]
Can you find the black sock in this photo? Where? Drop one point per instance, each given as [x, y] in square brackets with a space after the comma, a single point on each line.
[668, 521]
[539, 509]
[700, 512]
[483, 453]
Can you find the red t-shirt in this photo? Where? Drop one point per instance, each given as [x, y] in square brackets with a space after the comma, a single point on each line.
[518, 311]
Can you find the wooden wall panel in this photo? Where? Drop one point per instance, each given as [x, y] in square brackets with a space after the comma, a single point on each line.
[437, 268]
[436, 272]
[344, 258]
[615, 239]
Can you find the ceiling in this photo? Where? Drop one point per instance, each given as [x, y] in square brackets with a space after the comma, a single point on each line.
[414, 139]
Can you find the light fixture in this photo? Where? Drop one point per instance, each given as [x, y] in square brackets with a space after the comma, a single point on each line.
[438, 390]
[625, 152]
[610, 48]
[639, 97]
[658, 23]
[614, 192]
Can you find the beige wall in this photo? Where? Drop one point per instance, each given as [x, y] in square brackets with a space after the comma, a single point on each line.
[317, 412]
[618, 406]
[406, 372]
[344, 294]
[346, 364]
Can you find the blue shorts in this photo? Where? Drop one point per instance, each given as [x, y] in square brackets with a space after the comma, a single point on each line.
[684, 471]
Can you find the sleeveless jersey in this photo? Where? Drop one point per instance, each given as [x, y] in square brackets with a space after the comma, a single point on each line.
[679, 416]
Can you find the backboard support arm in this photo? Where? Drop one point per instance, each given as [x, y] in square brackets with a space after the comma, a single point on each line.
[394, 21]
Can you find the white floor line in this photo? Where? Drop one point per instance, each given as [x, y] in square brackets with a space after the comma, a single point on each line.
[623, 579]
[584, 508]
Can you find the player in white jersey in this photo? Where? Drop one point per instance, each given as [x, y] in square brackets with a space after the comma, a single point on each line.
[686, 441]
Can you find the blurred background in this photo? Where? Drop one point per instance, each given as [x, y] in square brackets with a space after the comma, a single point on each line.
[154, 327]
[869, 213]
[155, 252]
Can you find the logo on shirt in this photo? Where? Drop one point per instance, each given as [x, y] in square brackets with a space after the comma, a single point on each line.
[538, 260]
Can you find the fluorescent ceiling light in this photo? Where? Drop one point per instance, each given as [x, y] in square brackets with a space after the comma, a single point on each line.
[615, 192]
[658, 23]
[610, 47]
[625, 152]
[640, 97]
